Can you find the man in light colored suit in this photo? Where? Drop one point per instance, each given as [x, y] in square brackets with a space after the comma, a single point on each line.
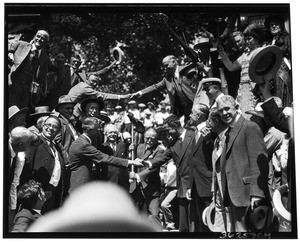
[30, 66]
[243, 164]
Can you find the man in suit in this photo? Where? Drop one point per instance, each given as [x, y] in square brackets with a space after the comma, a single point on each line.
[47, 162]
[31, 197]
[113, 146]
[30, 66]
[180, 89]
[243, 165]
[212, 88]
[147, 191]
[83, 154]
[200, 171]
[178, 140]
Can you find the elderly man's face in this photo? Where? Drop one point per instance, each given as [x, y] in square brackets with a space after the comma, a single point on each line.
[151, 138]
[41, 39]
[92, 109]
[51, 128]
[112, 135]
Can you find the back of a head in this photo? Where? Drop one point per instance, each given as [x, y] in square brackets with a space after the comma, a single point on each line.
[90, 123]
[28, 194]
[19, 134]
[172, 121]
[95, 207]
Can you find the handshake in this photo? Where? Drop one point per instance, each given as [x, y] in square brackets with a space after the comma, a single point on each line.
[140, 162]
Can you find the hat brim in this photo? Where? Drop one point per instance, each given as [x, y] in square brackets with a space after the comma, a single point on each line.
[60, 104]
[278, 205]
[21, 111]
[254, 113]
[118, 54]
[265, 63]
[184, 71]
[99, 101]
[213, 222]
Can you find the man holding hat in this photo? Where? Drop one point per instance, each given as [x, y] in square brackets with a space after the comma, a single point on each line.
[243, 164]
[30, 65]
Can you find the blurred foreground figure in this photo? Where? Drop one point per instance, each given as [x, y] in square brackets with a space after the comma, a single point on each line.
[95, 207]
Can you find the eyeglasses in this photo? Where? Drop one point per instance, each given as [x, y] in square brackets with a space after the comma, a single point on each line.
[53, 126]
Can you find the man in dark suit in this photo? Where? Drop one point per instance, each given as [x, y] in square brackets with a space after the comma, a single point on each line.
[243, 164]
[178, 140]
[83, 154]
[113, 146]
[30, 65]
[200, 171]
[180, 89]
[147, 191]
[31, 197]
[48, 165]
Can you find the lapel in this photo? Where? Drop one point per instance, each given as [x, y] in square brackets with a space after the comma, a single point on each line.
[170, 86]
[185, 143]
[234, 132]
[46, 146]
[198, 144]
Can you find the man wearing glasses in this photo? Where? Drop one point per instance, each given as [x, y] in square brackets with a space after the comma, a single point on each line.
[48, 164]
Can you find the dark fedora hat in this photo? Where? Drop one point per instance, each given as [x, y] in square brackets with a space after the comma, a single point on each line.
[260, 218]
[64, 99]
[265, 63]
[99, 101]
[104, 117]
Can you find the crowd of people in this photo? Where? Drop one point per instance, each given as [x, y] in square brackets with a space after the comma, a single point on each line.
[222, 139]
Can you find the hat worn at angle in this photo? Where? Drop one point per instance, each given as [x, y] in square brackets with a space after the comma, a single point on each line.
[63, 100]
[41, 111]
[14, 110]
[99, 101]
[206, 82]
[265, 63]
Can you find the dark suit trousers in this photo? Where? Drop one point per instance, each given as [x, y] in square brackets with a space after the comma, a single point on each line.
[184, 222]
[197, 206]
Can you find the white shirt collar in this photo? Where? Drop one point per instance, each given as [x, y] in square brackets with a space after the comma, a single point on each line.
[183, 134]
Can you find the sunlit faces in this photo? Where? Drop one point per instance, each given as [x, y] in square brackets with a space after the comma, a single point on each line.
[41, 39]
[92, 109]
[151, 138]
[228, 111]
[275, 27]
[169, 65]
[51, 128]
[239, 42]
[66, 110]
[112, 135]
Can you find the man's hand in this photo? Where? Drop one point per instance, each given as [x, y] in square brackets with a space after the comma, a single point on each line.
[221, 50]
[254, 202]
[147, 163]
[136, 162]
[132, 176]
[205, 131]
[135, 95]
[188, 194]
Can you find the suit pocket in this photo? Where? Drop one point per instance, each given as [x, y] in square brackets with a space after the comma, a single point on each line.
[246, 180]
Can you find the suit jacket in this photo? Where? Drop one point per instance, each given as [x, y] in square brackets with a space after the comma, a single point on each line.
[200, 163]
[150, 179]
[115, 174]
[21, 49]
[24, 219]
[82, 156]
[180, 153]
[183, 86]
[245, 163]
